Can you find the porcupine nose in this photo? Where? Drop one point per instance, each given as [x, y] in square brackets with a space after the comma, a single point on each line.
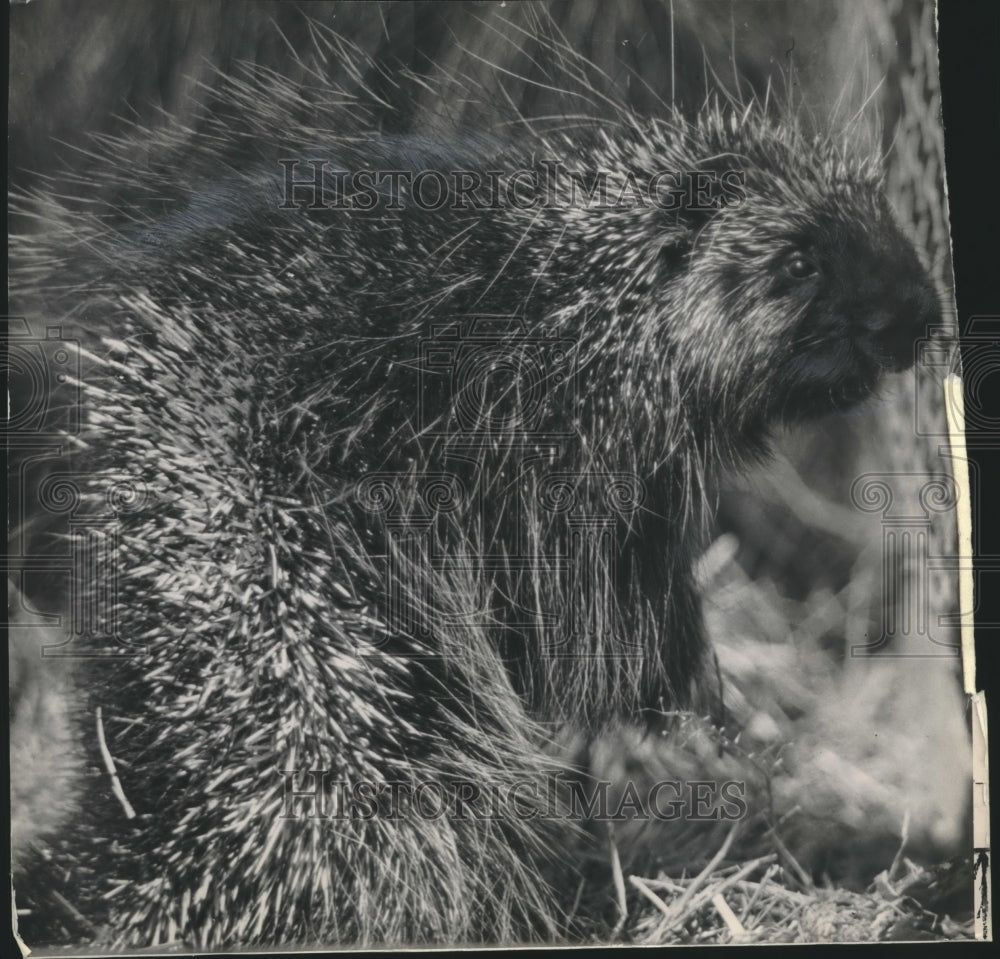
[898, 323]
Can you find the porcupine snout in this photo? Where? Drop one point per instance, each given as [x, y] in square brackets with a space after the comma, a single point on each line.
[895, 308]
[890, 301]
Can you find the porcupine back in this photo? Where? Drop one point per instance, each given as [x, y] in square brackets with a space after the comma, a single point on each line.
[333, 555]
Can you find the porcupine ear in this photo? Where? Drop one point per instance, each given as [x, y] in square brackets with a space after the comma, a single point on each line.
[709, 190]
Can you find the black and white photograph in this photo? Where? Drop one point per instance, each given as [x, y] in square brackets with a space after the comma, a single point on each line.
[487, 474]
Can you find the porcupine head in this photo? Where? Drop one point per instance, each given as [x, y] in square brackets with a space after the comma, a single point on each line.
[721, 278]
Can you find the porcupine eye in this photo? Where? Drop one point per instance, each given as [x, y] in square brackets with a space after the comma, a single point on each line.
[799, 267]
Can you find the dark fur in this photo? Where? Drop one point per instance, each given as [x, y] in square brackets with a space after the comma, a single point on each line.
[252, 368]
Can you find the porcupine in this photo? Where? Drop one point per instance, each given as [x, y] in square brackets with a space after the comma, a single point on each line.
[337, 550]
